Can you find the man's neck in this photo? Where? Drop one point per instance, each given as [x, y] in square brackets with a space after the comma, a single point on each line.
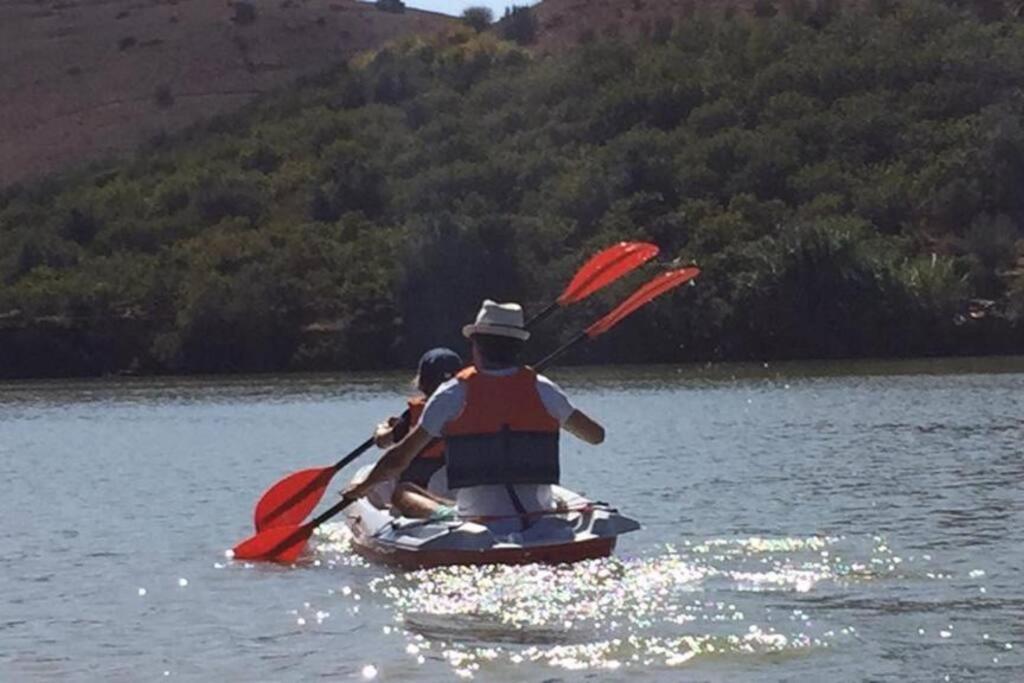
[487, 366]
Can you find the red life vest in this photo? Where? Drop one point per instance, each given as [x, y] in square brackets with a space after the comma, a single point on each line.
[504, 434]
[435, 450]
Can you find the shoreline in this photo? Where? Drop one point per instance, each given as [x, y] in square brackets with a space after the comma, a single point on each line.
[807, 368]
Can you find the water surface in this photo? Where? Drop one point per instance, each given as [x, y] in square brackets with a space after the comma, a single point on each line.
[802, 522]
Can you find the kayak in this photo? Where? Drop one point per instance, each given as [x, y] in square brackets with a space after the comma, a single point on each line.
[579, 530]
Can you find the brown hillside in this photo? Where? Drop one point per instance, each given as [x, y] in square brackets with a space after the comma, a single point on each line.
[81, 79]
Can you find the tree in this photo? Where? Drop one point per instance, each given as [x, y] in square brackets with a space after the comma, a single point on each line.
[519, 25]
[478, 18]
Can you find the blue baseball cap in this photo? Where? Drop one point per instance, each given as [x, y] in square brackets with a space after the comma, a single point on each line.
[438, 366]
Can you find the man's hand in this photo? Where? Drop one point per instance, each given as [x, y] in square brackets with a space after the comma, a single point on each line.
[357, 491]
[383, 435]
[391, 464]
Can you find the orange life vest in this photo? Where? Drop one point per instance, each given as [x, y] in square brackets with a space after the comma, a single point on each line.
[435, 450]
[504, 434]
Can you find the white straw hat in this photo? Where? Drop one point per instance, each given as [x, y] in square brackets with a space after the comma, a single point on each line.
[500, 320]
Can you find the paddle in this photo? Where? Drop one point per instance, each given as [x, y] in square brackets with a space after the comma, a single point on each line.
[600, 271]
[291, 499]
[659, 285]
[286, 543]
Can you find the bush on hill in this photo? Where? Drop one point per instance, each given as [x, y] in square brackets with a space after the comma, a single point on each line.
[396, 6]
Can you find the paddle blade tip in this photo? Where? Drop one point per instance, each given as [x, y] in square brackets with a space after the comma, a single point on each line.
[656, 287]
[280, 544]
[606, 267]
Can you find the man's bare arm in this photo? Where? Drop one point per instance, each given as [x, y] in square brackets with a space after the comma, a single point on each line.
[392, 463]
[580, 425]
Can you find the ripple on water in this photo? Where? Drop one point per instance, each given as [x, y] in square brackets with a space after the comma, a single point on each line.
[611, 613]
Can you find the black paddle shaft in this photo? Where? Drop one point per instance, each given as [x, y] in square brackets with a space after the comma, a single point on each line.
[548, 359]
[330, 512]
[543, 315]
[326, 475]
[303, 532]
[403, 421]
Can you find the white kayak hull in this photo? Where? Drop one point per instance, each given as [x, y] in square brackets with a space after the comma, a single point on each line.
[584, 530]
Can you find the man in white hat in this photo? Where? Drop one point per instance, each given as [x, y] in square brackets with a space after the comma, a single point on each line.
[500, 421]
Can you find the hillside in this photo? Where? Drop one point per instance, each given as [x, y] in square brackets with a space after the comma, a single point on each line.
[83, 79]
[850, 187]
[562, 24]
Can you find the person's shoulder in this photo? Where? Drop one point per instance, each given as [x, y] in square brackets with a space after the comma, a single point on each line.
[554, 399]
[443, 405]
[546, 387]
[451, 390]
[448, 387]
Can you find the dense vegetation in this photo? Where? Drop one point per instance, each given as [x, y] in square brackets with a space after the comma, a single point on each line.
[848, 186]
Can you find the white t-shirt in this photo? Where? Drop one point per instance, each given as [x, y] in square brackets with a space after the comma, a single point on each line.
[487, 501]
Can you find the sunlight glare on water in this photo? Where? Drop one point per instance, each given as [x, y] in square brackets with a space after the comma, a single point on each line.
[619, 612]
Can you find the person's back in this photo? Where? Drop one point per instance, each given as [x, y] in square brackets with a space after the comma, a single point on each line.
[505, 434]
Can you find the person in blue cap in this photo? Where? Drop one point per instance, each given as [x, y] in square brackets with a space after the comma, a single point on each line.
[412, 496]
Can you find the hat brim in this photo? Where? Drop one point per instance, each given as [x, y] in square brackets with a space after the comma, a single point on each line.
[496, 331]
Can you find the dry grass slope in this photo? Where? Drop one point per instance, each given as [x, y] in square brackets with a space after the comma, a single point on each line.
[84, 79]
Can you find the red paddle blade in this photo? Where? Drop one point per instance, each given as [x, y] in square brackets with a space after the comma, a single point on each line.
[280, 544]
[289, 501]
[605, 268]
[653, 289]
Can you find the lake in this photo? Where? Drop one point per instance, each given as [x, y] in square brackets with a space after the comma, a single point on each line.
[802, 522]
